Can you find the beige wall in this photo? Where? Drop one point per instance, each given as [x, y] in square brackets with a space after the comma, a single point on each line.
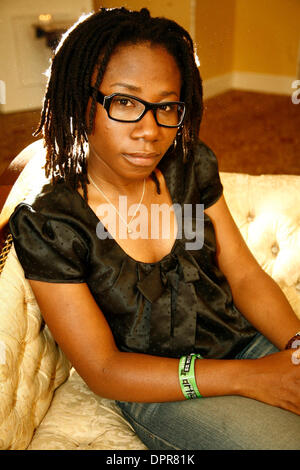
[235, 39]
[215, 30]
[260, 36]
[23, 57]
[267, 36]
[246, 44]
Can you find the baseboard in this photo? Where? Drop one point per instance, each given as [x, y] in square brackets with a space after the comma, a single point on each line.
[217, 85]
[264, 83]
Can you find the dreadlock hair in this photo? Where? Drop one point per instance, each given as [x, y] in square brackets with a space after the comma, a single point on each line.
[87, 47]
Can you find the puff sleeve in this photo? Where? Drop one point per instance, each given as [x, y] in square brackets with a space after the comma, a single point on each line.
[207, 175]
[49, 249]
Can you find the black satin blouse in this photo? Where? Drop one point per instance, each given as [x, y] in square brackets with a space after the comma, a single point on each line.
[180, 304]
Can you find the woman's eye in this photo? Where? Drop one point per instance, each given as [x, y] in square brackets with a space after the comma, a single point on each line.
[124, 102]
[167, 108]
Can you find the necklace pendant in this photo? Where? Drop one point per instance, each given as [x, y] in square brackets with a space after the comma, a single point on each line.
[129, 230]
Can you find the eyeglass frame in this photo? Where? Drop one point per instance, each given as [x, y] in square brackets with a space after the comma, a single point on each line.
[105, 101]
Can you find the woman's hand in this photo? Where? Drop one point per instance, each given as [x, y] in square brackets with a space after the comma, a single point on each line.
[273, 379]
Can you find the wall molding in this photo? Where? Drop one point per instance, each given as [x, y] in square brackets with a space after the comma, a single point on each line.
[264, 83]
[278, 84]
[217, 85]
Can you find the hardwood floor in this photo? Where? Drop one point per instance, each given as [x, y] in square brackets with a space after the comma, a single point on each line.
[16, 133]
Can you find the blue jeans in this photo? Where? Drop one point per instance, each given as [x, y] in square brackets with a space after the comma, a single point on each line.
[216, 423]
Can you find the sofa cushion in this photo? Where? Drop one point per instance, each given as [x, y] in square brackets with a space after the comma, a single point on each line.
[80, 420]
[31, 364]
[30, 180]
[266, 209]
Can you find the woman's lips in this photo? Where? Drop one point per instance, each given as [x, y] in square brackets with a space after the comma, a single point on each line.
[141, 158]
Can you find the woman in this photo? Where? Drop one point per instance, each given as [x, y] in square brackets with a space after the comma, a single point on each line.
[121, 118]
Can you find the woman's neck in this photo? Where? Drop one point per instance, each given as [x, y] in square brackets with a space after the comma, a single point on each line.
[108, 180]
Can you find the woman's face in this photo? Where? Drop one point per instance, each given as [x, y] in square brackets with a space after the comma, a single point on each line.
[132, 150]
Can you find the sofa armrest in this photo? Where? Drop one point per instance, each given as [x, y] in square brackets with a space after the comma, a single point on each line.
[266, 209]
[30, 179]
[32, 366]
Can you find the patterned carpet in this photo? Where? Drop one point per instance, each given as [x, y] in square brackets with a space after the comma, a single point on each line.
[253, 133]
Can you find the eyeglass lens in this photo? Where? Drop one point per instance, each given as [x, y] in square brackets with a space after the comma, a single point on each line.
[129, 109]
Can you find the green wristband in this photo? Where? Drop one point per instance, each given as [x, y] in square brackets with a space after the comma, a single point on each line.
[193, 378]
[187, 376]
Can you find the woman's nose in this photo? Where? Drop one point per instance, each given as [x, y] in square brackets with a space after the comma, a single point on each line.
[146, 128]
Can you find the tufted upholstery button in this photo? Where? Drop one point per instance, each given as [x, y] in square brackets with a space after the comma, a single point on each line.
[250, 217]
[275, 248]
[297, 286]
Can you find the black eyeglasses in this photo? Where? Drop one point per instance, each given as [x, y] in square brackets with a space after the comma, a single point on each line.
[127, 108]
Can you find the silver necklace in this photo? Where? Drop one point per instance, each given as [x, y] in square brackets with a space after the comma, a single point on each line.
[129, 230]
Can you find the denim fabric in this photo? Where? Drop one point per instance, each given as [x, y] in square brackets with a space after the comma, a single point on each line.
[216, 423]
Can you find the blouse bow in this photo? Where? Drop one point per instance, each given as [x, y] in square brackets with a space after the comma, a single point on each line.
[170, 290]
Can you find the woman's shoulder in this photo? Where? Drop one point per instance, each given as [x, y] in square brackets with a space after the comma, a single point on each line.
[201, 158]
[204, 156]
[55, 196]
[206, 170]
[198, 176]
[48, 237]
[53, 204]
[53, 200]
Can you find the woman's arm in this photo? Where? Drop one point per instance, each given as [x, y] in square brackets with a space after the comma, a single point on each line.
[81, 330]
[255, 293]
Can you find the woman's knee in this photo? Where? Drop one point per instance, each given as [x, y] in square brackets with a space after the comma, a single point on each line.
[219, 423]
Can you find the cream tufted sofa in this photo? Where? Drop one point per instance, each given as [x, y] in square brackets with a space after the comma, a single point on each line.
[44, 403]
